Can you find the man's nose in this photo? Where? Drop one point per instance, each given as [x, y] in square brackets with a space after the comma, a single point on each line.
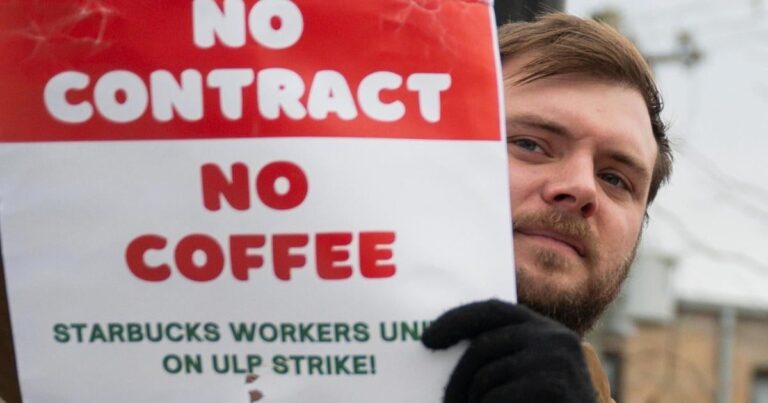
[573, 187]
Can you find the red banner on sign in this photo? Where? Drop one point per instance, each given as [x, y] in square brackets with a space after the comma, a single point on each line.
[141, 70]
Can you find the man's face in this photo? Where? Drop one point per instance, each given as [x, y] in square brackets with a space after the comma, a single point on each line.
[581, 155]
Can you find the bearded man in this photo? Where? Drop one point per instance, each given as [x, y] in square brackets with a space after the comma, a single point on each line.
[587, 154]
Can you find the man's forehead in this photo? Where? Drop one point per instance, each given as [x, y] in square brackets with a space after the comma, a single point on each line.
[514, 69]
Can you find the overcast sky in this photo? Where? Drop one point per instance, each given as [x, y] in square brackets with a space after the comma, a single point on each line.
[714, 214]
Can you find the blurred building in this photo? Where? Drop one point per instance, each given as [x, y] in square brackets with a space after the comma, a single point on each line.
[666, 342]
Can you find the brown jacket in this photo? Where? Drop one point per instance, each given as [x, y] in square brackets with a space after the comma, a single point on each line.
[599, 378]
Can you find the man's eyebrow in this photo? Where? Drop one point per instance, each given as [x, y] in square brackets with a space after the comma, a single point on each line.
[630, 162]
[538, 122]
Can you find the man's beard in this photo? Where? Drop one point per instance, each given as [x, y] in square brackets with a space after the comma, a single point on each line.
[578, 308]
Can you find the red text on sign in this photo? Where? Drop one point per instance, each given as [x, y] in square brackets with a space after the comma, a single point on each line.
[280, 185]
[202, 258]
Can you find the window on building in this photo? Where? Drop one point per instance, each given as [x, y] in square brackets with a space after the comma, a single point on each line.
[760, 386]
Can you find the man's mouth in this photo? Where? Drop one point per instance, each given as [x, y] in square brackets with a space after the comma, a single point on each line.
[555, 238]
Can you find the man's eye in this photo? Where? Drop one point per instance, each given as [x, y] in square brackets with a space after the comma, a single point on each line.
[615, 180]
[526, 144]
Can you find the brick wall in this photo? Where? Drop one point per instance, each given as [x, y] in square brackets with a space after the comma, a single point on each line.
[678, 361]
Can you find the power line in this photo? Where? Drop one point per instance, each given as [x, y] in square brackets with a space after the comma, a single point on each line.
[704, 248]
[732, 188]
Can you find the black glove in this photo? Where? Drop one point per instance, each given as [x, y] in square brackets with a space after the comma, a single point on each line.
[514, 356]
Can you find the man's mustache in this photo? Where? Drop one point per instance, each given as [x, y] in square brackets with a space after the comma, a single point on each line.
[563, 223]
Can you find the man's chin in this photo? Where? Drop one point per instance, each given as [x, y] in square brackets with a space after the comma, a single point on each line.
[558, 295]
[572, 288]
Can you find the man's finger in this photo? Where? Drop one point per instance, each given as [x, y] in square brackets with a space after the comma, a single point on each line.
[501, 371]
[484, 350]
[468, 321]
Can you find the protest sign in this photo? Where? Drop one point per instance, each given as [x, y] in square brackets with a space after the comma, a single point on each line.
[241, 201]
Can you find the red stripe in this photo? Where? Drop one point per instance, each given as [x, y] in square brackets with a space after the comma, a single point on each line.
[355, 38]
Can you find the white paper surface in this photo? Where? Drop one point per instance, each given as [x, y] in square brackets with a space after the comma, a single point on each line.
[69, 210]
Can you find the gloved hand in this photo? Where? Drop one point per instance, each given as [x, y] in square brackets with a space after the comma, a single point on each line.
[514, 356]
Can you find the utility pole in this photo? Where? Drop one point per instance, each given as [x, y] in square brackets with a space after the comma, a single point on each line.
[687, 52]
[728, 321]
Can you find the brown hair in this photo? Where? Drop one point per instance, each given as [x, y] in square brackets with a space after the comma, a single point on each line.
[564, 44]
